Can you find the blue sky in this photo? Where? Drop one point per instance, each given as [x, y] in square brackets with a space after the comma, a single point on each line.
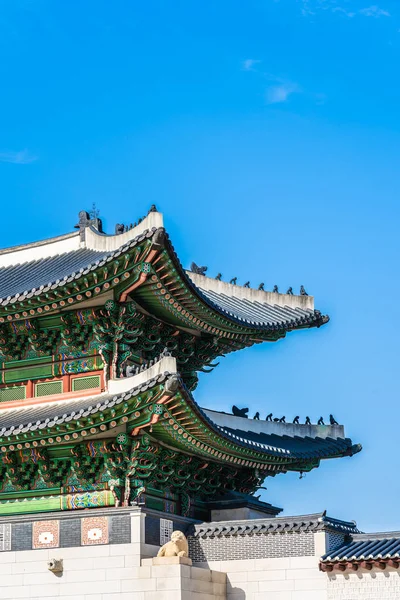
[268, 132]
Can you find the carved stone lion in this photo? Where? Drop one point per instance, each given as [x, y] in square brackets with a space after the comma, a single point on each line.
[178, 546]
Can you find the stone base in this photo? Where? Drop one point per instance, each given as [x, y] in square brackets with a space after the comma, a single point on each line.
[174, 578]
[166, 560]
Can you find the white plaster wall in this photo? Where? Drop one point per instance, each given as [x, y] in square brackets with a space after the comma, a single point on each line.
[97, 241]
[166, 364]
[364, 585]
[38, 250]
[296, 578]
[242, 293]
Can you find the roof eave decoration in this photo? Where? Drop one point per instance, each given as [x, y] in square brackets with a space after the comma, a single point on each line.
[147, 269]
[163, 408]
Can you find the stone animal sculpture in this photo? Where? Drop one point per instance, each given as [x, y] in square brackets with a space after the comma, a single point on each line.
[240, 412]
[196, 269]
[276, 289]
[218, 277]
[233, 281]
[257, 416]
[290, 291]
[261, 287]
[303, 291]
[332, 420]
[269, 417]
[296, 420]
[320, 421]
[178, 546]
[308, 421]
[247, 284]
[282, 419]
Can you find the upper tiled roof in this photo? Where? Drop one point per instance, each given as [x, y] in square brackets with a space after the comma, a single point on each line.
[46, 271]
[35, 269]
[367, 546]
[314, 522]
[263, 314]
[21, 281]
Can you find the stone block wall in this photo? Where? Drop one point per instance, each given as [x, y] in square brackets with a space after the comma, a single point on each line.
[364, 585]
[290, 578]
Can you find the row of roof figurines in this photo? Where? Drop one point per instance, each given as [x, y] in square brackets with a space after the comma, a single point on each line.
[132, 370]
[242, 412]
[202, 271]
[122, 228]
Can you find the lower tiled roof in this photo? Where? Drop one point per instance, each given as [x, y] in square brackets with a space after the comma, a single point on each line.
[45, 417]
[367, 547]
[301, 447]
[314, 522]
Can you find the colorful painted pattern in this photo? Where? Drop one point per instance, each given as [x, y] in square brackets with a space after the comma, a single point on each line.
[87, 500]
[94, 530]
[45, 534]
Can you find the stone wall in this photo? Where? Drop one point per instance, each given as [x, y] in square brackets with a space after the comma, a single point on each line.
[364, 585]
[294, 578]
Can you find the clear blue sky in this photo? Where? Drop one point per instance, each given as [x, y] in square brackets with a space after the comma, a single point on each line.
[269, 135]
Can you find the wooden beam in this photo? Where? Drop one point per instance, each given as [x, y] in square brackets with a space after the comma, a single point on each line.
[393, 563]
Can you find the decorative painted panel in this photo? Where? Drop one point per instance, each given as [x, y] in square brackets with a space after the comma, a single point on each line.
[45, 534]
[94, 531]
[5, 537]
[166, 528]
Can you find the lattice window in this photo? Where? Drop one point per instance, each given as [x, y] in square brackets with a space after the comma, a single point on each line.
[85, 383]
[16, 392]
[5, 537]
[166, 529]
[48, 388]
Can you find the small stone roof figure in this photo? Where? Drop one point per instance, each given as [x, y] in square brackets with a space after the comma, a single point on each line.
[257, 416]
[308, 421]
[130, 370]
[233, 280]
[269, 417]
[332, 420]
[247, 284]
[320, 421]
[152, 208]
[119, 228]
[303, 291]
[296, 420]
[218, 277]
[198, 270]
[276, 289]
[240, 412]
[282, 419]
[290, 291]
[276, 420]
[261, 287]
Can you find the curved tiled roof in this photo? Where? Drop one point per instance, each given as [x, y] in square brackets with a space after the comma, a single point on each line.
[25, 280]
[366, 547]
[47, 415]
[21, 281]
[262, 314]
[303, 447]
[315, 522]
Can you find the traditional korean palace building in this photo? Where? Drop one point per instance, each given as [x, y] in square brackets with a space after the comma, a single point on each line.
[104, 449]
